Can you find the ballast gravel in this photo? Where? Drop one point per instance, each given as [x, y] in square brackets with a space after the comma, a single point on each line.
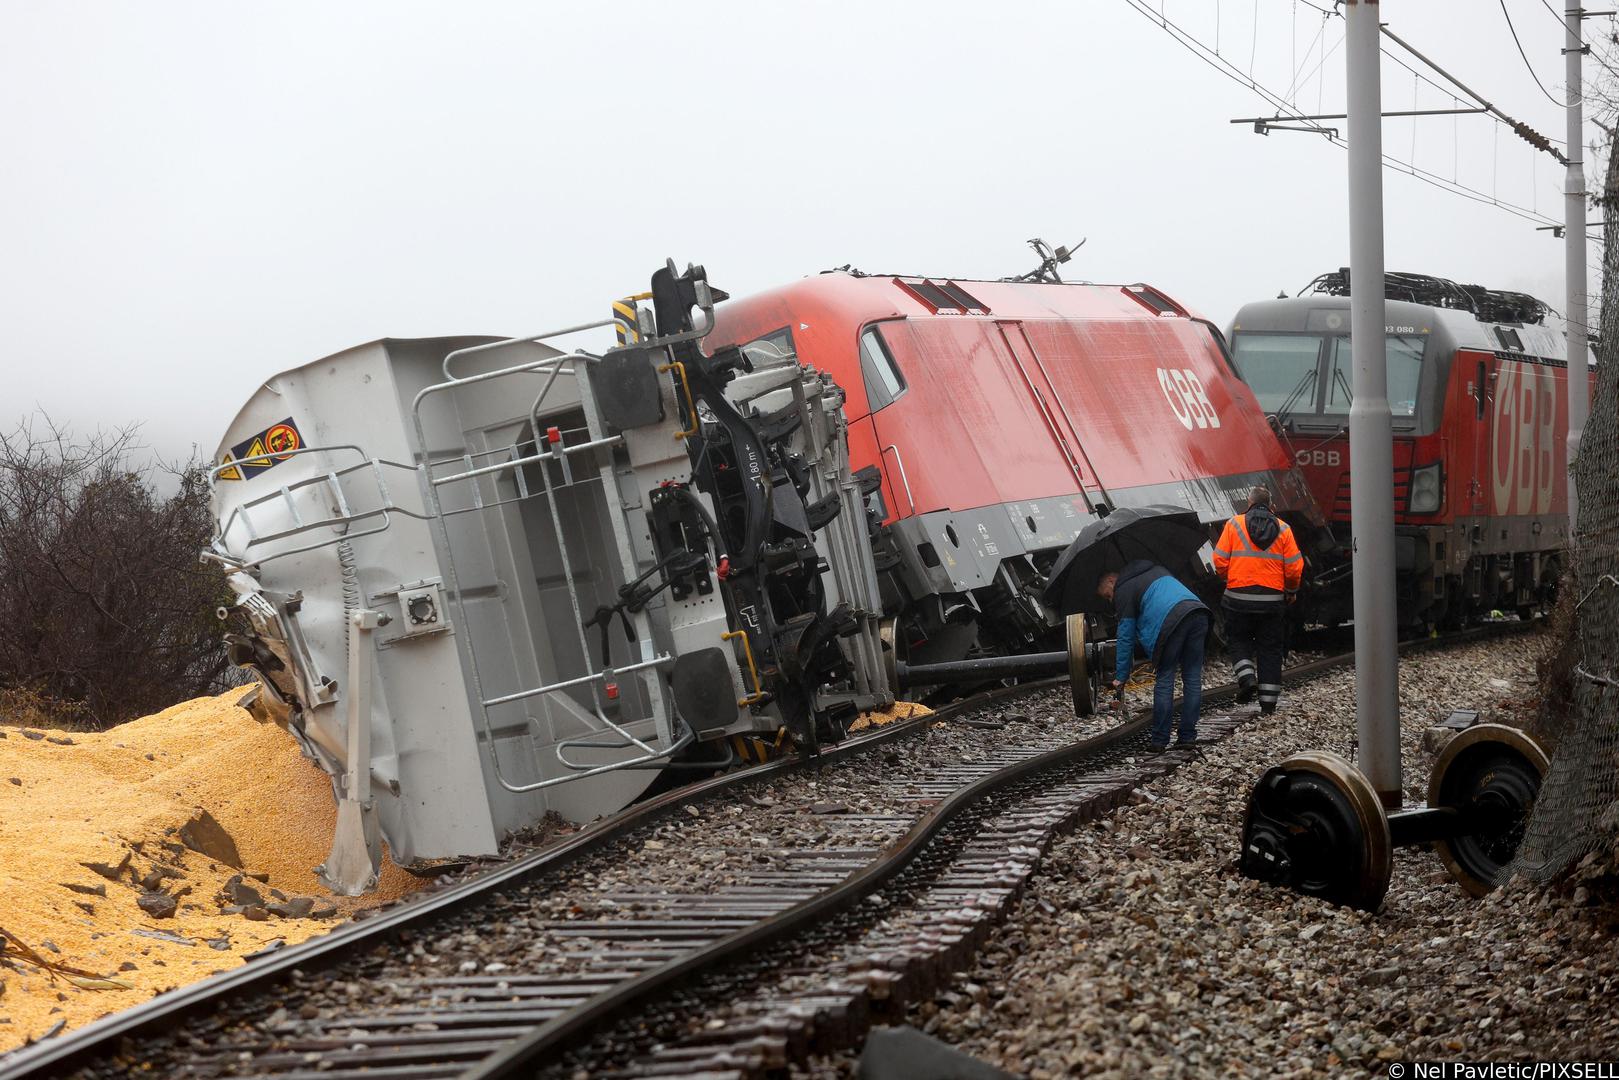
[1139, 951]
[849, 807]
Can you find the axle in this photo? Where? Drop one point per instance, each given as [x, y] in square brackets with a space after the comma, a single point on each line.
[982, 669]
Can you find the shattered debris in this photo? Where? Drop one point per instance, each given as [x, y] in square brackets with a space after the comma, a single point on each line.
[208, 837]
[85, 890]
[158, 905]
[240, 894]
[107, 870]
[295, 908]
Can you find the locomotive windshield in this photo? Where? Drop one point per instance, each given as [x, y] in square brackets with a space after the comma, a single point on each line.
[773, 349]
[1281, 369]
[1299, 375]
[1404, 372]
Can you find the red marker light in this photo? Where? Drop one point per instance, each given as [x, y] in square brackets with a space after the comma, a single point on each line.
[612, 691]
[553, 435]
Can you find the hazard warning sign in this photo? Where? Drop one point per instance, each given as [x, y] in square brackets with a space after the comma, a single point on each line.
[265, 450]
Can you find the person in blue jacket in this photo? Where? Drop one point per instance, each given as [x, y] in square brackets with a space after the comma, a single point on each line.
[1170, 624]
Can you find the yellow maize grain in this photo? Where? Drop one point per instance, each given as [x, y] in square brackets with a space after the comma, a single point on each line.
[125, 792]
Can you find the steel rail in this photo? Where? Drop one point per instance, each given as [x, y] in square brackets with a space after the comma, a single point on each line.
[551, 1039]
[102, 1037]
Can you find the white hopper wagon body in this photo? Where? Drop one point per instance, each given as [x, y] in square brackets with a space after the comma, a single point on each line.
[483, 579]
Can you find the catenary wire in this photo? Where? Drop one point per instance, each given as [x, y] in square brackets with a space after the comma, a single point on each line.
[1203, 52]
[1514, 31]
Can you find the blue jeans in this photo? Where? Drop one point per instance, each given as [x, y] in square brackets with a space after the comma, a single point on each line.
[1183, 650]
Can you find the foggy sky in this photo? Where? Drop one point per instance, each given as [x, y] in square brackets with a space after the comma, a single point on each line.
[194, 196]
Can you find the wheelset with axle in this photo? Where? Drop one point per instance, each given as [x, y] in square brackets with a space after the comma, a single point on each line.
[1315, 824]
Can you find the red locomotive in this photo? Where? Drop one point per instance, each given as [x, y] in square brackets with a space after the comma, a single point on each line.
[1476, 389]
[995, 419]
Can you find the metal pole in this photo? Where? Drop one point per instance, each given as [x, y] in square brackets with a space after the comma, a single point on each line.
[1574, 280]
[1371, 427]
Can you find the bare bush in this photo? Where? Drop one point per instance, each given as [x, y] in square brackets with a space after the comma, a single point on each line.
[104, 606]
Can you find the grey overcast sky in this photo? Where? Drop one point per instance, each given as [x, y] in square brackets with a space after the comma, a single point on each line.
[194, 196]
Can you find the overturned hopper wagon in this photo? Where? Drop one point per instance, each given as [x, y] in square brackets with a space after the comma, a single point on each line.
[483, 579]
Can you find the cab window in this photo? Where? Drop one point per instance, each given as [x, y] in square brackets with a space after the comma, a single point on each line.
[884, 382]
[773, 349]
[1280, 369]
[1404, 375]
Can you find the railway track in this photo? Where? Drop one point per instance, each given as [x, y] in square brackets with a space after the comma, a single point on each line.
[803, 943]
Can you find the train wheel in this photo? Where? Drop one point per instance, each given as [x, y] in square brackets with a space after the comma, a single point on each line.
[1491, 774]
[1079, 668]
[1315, 824]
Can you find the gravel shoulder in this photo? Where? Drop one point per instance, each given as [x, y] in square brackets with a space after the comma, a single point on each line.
[1140, 951]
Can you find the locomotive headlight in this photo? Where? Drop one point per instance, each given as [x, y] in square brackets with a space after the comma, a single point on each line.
[1427, 489]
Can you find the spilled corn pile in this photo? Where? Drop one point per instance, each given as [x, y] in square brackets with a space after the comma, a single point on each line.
[900, 710]
[140, 859]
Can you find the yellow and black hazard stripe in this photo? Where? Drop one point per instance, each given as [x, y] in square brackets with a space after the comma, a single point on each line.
[626, 321]
[756, 750]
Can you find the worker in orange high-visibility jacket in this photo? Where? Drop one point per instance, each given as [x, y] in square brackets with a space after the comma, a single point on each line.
[1260, 562]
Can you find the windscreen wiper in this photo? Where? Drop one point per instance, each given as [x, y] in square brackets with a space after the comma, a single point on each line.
[1343, 384]
[1307, 383]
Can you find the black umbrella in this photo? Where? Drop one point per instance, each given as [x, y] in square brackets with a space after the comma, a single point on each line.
[1167, 535]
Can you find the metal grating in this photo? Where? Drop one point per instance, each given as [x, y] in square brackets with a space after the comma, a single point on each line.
[1578, 808]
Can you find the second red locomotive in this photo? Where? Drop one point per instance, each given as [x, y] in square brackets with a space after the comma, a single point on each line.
[1476, 387]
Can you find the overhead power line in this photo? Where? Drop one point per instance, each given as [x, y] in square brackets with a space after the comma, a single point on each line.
[1287, 110]
[1297, 84]
[1526, 63]
[1447, 91]
[1519, 128]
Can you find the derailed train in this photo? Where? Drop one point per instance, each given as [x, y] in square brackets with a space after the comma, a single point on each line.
[486, 566]
[1001, 417]
[483, 579]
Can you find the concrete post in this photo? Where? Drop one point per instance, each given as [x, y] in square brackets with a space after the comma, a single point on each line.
[1577, 304]
[1371, 430]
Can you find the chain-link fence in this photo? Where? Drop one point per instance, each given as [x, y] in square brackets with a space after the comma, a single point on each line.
[1578, 808]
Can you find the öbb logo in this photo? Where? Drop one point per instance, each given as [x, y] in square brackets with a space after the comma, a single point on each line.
[1524, 440]
[1187, 398]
